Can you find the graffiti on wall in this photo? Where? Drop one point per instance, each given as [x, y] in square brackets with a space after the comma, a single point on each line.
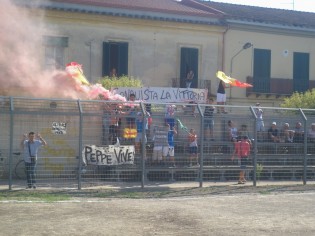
[59, 128]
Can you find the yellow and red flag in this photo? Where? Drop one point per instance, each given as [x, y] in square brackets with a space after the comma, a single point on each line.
[231, 81]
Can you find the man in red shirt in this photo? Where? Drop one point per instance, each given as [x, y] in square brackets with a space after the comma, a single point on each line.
[242, 150]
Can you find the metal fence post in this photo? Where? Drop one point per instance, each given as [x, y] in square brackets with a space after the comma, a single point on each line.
[305, 148]
[11, 141]
[143, 143]
[213, 156]
[80, 144]
[201, 145]
[255, 147]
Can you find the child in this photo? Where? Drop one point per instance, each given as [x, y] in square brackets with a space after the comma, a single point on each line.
[170, 115]
[232, 131]
[193, 147]
[242, 149]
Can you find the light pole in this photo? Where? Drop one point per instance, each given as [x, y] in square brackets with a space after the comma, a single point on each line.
[245, 46]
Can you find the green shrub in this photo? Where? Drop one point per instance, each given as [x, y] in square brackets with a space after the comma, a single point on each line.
[300, 100]
[123, 81]
[259, 169]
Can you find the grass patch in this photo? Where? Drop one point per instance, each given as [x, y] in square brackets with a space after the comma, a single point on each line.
[32, 196]
[264, 192]
[133, 194]
[54, 195]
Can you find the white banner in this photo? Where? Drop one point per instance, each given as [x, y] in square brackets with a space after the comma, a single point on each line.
[161, 94]
[108, 155]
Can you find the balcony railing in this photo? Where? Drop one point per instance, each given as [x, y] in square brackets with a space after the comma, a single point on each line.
[274, 87]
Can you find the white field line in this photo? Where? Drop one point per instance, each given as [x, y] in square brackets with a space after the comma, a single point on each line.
[241, 195]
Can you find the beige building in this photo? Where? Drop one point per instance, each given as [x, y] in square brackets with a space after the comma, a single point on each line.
[160, 41]
[155, 41]
[280, 59]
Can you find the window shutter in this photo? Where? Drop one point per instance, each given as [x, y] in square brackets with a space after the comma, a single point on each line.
[301, 71]
[262, 67]
[123, 59]
[106, 59]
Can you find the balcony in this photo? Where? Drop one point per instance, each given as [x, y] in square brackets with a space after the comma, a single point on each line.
[276, 87]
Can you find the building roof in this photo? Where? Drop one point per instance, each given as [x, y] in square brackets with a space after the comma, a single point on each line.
[161, 10]
[165, 6]
[189, 11]
[264, 15]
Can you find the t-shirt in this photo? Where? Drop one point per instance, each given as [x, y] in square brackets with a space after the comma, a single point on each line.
[233, 132]
[139, 124]
[259, 113]
[274, 132]
[192, 140]
[160, 136]
[209, 110]
[31, 149]
[242, 148]
[221, 88]
[311, 133]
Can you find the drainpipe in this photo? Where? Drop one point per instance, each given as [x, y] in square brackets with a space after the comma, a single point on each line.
[223, 48]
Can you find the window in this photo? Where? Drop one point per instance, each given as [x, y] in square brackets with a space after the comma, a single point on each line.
[262, 67]
[115, 56]
[55, 51]
[301, 64]
[188, 61]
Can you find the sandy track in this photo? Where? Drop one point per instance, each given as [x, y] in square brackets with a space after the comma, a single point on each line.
[238, 214]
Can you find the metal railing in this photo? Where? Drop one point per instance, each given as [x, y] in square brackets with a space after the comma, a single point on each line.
[96, 142]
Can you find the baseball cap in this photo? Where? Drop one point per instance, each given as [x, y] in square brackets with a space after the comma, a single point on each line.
[257, 104]
[274, 123]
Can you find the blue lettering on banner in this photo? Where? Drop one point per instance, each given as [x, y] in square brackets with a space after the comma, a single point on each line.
[156, 94]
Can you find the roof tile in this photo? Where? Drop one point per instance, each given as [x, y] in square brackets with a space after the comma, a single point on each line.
[164, 6]
[264, 15]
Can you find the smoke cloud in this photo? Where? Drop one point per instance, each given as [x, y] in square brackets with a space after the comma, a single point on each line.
[22, 70]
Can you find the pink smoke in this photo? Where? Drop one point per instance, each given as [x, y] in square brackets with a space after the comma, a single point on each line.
[21, 61]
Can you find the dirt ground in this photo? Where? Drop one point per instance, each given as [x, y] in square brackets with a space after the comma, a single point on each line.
[219, 210]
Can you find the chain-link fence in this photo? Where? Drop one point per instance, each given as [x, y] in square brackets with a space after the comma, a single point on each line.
[99, 142]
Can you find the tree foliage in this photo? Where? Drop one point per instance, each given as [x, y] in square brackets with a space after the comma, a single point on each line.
[300, 100]
[123, 81]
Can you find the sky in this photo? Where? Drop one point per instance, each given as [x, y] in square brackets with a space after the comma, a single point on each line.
[297, 5]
